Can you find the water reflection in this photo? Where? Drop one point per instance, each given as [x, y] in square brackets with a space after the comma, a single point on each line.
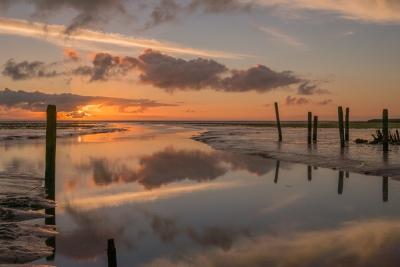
[171, 201]
[172, 165]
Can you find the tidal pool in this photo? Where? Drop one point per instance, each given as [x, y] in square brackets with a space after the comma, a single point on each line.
[168, 200]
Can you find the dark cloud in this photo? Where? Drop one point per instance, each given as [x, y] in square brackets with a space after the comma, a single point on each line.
[71, 54]
[89, 13]
[70, 103]
[220, 6]
[25, 70]
[164, 11]
[306, 88]
[298, 101]
[294, 101]
[105, 66]
[97, 13]
[259, 78]
[324, 102]
[171, 165]
[170, 73]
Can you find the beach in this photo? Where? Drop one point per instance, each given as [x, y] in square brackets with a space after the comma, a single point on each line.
[235, 197]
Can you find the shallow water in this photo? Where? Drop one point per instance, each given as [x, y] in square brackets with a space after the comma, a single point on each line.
[168, 200]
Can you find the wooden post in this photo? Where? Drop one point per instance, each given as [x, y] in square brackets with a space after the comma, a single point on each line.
[277, 171]
[341, 128]
[315, 129]
[111, 253]
[309, 172]
[385, 131]
[347, 129]
[340, 183]
[278, 122]
[397, 134]
[309, 127]
[385, 189]
[50, 172]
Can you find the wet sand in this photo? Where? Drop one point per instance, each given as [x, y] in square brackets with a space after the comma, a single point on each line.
[357, 158]
[21, 196]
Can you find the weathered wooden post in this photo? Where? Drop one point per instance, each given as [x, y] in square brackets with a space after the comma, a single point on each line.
[277, 171]
[309, 127]
[398, 136]
[347, 128]
[340, 183]
[315, 129]
[385, 189]
[111, 253]
[50, 172]
[385, 130]
[309, 173]
[278, 122]
[341, 128]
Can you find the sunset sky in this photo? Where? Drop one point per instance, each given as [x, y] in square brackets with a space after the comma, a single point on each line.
[199, 59]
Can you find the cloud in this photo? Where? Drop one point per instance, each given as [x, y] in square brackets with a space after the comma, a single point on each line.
[281, 37]
[305, 88]
[71, 54]
[25, 70]
[71, 103]
[164, 11]
[294, 101]
[55, 34]
[298, 101]
[375, 11]
[97, 13]
[169, 73]
[324, 102]
[90, 13]
[258, 78]
[215, 7]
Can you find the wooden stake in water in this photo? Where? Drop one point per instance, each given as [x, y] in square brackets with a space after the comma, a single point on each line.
[347, 129]
[397, 134]
[309, 127]
[111, 253]
[314, 137]
[341, 126]
[385, 130]
[50, 172]
[278, 122]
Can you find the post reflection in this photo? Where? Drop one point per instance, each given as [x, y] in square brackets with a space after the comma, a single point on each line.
[276, 172]
[340, 182]
[309, 172]
[385, 189]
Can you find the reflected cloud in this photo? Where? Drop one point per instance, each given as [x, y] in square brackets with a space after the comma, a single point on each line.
[94, 228]
[113, 200]
[171, 165]
[354, 244]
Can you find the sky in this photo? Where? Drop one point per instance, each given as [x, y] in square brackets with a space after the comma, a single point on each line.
[199, 59]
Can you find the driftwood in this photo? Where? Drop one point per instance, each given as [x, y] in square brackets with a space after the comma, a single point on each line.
[392, 138]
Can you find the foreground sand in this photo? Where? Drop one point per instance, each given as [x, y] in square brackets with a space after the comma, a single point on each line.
[21, 196]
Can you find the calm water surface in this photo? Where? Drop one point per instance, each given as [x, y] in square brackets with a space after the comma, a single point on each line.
[168, 200]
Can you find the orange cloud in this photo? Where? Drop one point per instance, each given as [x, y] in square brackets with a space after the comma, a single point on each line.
[71, 54]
